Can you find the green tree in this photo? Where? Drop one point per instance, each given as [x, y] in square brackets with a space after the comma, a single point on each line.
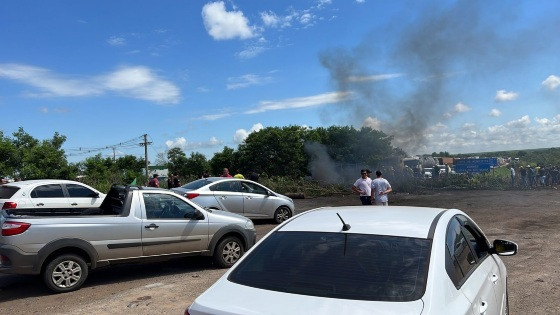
[177, 161]
[8, 154]
[196, 165]
[275, 151]
[227, 158]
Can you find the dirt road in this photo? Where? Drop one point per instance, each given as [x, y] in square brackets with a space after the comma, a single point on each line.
[530, 218]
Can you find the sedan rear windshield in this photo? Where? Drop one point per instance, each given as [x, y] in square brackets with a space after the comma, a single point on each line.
[338, 265]
[196, 184]
[6, 192]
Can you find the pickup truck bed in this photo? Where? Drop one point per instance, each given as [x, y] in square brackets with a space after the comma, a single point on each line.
[132, 224]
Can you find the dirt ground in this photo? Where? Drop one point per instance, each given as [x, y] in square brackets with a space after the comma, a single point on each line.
[529, 218]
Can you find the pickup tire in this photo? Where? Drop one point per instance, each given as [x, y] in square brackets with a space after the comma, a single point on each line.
[228, 251]
[65, 273]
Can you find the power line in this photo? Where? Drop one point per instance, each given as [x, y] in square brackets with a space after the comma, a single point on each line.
[128, 144]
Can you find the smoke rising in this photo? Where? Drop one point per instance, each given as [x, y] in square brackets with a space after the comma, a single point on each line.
[438, 51]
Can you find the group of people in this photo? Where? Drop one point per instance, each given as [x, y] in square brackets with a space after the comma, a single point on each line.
[172, 181]
[535, 176]
[378, 188]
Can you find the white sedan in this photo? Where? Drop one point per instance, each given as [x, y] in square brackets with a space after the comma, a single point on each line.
[367, 260]
[49, 193]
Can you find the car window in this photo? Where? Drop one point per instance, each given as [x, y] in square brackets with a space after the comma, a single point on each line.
[6, 192]
[196, 184]
[164, 206]
[338, 265]
[462, 258]
[253, 188]
[48, 191]
[230, 185]
[79, 191]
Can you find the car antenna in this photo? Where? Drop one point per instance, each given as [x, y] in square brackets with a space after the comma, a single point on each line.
[345, 226]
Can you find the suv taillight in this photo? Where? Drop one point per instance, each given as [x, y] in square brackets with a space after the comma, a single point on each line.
[191, 195]
[10, 228]
[9, 205]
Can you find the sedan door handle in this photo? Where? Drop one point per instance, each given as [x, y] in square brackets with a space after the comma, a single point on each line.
[223, 197]
[152, 226]
[494, 279]
[483, 307]
[74, 204]
[40, 204]
[249, 197]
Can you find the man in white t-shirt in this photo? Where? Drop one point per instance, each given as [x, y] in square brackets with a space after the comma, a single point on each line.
[380, 187]
[362, 186]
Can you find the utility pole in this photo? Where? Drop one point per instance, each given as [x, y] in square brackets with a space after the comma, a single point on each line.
[145, 144]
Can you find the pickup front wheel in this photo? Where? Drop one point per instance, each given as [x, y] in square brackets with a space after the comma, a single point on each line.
[65, 273]
[228, 251]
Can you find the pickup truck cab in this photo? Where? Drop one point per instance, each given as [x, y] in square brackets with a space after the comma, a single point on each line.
[132, 224]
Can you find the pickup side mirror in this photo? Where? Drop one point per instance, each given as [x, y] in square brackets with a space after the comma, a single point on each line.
[504, 248]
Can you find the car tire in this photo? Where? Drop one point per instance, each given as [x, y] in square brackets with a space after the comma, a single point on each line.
[282, 214]
[65, 273]
[228, 251]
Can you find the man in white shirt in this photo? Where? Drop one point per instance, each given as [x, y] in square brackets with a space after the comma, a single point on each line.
[381, 187]
[362, 186]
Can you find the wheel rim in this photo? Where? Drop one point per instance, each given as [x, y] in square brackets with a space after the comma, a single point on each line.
[66, 274]
[231, 252]
[282, 215]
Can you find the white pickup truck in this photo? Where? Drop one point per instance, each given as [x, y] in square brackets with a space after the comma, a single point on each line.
[132, 224]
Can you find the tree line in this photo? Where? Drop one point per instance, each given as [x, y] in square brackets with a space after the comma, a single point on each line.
[274, 151]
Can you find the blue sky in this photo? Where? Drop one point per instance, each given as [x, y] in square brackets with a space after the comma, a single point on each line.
[457, 76]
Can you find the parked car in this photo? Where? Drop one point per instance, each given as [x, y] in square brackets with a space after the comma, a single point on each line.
[133, 224]
[367, 260]
[49, 193]
[240, 196]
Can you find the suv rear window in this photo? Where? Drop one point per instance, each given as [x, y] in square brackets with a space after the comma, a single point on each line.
[338, 265]
[6, 192]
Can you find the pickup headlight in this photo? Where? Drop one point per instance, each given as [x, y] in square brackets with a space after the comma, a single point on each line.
[249, 225]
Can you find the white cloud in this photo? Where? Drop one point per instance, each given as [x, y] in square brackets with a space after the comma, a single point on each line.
[504, 96]
[301, 102]
[246, 81]
[180, 143]
[140, 82]
[44, 110]
[372, 122]
[136, 82]
[552, 82]
[222, 24]
[213, 117]
[360, 1]
[270, 19]
[516, 134]
[495, 112]
[184, 145]
[376, 77]
[242, 134]
[251, 51]
[116, 41]
[461, 108]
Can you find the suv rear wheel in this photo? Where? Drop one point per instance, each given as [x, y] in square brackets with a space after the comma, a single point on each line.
[65, 273]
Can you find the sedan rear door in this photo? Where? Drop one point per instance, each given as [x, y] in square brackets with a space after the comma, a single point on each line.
[229, 195]
[81, 196]
[49, 196]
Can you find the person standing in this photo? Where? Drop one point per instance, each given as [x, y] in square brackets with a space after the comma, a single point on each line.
[225, 173]
[154, 182]
[512, 174]
[380, 187]
[176, 180]
[362, 186]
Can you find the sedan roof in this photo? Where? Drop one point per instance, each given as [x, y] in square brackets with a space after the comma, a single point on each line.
[417, 222]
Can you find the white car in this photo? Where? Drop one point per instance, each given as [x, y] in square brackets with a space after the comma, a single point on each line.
[366, 260]
[49, 193]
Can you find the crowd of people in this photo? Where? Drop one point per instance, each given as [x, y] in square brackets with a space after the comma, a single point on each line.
[532, 176]
[378, 188]
[174, 180]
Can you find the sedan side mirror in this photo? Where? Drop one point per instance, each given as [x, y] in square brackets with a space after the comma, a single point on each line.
[504, 248]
